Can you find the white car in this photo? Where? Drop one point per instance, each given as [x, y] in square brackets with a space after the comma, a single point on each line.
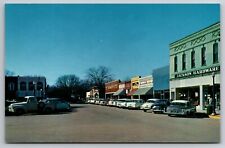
[110, 102]
[124, 103]
[103, 102]
[121, 103]
[149, 104]
[135, 103]
[92, 101]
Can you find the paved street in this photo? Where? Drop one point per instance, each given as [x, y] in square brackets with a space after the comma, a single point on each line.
[94, 123]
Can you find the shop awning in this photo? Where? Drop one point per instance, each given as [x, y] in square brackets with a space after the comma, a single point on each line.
[120, 92]
[131, 92]
[144, 91]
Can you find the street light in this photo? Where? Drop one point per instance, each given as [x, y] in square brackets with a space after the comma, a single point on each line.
[213, 94]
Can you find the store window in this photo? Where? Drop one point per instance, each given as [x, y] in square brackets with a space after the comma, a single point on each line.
[39, 86]
[175, 64]
[184, 61]
[31, 86]
[193, 59]
[11, 86]
[215, 53]
[203, 58]
[23, 86]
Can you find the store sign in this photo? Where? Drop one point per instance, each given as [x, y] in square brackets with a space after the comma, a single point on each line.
[198, 72]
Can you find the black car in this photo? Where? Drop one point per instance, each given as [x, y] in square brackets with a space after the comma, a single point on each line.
[160, 106]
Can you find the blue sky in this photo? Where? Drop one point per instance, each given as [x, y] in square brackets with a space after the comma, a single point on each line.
[53, 40]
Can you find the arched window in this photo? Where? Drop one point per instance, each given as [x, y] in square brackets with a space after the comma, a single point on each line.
[192, 59]
[31, 86]
[39, 86]
[23, 86]
[203, 56]
[183, 61]
[215, 53]
[175, 64]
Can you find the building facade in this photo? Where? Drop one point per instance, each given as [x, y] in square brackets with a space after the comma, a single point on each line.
[124, 89]
[134, 87]
[21, 86]
[161, 82]
[145, 89]
[93, 93]
[111, 88]
[194, 65]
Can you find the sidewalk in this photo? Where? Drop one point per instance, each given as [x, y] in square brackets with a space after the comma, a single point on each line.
[215, 116]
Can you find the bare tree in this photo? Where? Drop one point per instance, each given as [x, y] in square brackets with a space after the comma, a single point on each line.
[68, 85]
[98, 77]
[71, 81]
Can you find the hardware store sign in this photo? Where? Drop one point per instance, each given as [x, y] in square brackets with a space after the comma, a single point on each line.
[198, 72]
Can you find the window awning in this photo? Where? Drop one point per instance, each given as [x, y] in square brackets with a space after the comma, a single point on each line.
[144, 91]
[131, 92]
[119, 92]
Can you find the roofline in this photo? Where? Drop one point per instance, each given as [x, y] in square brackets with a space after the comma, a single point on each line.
[193, 33]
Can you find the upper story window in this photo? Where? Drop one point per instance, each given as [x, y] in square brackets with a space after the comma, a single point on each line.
[175, 64]
[11, 86]
[23, 86]
[215, 53]
[184, 61]
[193, 59]
[203, 58]
[31, 86]
[39, 86]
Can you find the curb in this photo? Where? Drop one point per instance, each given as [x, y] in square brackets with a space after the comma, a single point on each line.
[214, 117]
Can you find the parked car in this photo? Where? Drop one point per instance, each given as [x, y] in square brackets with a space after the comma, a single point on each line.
[181, 107]
[160, 106]
[135, 103]
[50, 105]
[119, 101]
[110, 102]
[103, 101]
[149, 104]
[123, 104]
[29, 104]
[91, 101]
[97, 101]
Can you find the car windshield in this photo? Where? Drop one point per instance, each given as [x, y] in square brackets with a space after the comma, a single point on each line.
[178, 104]
[151, 101]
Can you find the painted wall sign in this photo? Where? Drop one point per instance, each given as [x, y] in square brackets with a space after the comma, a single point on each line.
[197, 72]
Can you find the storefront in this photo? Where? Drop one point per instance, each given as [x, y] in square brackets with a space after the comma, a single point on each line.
[195, 68]
[124, 89]
[111, 88]
[145, 89]
[161, 82]
[134, 87]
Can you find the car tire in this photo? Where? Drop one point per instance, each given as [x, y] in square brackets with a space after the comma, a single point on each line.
[20, 112]
[169, 115]
[48, 110]
[145, 110]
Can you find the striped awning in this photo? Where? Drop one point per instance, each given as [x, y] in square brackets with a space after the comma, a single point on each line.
[144, 91]
[131, 92]
[119, 92]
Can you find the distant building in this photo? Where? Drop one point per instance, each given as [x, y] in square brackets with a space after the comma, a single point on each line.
[134, 87]
[21, 86]
[193, 61]
[145, 89]
[111, 88]
[93, 93]
[161, 82]
[124, 89]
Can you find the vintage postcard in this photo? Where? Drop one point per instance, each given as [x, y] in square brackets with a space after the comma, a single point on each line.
[112, 73]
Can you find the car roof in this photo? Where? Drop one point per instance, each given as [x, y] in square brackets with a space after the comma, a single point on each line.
[180, 101]
[53, 99]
